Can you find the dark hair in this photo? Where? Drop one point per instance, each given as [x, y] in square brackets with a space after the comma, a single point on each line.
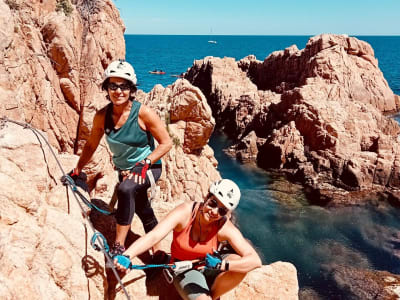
[132, 87]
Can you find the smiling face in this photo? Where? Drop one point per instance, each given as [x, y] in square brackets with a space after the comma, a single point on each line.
[118, 90]
[213, 209]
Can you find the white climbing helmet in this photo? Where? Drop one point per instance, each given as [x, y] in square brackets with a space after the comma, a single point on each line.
[227, 192]
[122, 69]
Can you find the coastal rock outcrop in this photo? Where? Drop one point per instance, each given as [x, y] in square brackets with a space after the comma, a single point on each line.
[53, 54]
[315, 114]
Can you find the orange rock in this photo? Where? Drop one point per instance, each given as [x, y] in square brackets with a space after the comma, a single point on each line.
[319, 111]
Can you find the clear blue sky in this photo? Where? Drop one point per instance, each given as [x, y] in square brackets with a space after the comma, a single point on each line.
[257, 17]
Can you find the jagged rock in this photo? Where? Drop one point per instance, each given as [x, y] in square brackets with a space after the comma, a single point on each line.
[247, 149]
[190, 166]
[283, 149]
[224, 96]
[343, 67]
[319, 110]
[42, 50]
[42, 237]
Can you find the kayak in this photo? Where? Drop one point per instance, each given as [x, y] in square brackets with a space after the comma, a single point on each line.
[156, 72]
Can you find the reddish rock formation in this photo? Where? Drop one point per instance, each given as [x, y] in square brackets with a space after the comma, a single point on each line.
[52, 62]
[315, 114]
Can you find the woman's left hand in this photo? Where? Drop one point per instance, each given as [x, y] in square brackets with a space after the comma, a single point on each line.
[138, 173]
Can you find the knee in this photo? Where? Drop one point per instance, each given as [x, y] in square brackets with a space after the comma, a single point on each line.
[236, 276]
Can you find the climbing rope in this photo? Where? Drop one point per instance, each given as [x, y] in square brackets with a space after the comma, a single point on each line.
[67, 180]
[74, 190]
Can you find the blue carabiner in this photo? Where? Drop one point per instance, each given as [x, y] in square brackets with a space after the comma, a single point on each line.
[95, 246]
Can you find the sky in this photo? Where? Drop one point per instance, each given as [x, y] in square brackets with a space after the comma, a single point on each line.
[257, 17]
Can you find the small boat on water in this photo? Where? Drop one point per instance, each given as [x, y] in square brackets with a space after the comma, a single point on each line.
[157, 72]
[177, 75]
[211, 41]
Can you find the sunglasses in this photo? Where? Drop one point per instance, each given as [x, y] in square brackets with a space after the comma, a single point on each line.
[212, 202]
[122, 87]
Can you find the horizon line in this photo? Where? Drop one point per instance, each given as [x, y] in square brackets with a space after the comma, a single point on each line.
[383, 35]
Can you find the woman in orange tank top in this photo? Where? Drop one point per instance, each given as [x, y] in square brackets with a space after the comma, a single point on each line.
[198, 229]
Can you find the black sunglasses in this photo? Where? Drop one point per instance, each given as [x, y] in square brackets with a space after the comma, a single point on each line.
[124, 87]
[212, 202]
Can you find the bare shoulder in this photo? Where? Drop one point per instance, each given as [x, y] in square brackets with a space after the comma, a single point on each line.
[99, 118]
[145, 111]
[184, 211]
[185, 208]
[229, 231]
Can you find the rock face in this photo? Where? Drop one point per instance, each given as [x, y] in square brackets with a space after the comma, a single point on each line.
[315, 114]
[190, 166]
[42, 236]
[53, 57]
[52, 62]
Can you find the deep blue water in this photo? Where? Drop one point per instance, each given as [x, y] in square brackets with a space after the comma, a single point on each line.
[175, 53]
[281, 224]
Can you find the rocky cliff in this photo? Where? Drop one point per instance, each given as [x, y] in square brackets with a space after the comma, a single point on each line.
[316, 114]
[53, 54]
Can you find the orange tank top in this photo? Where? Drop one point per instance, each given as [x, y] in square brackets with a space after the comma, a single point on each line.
[184, 248]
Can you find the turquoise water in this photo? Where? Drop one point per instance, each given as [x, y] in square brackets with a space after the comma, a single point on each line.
[273, 213]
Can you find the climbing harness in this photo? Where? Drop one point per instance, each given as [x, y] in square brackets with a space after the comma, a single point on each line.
[73, 187]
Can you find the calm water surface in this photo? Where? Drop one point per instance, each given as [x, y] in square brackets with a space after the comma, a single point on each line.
[283, 227]
[273, 213]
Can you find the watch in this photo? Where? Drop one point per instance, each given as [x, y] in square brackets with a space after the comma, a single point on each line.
[226, 268]
[148, 161]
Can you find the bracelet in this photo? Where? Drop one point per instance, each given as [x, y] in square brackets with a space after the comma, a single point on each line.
[226, 266]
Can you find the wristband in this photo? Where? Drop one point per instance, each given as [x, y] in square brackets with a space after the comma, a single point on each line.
[226, 266]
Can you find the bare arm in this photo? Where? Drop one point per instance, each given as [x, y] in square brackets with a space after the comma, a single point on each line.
[177, 218]
[249, 258]
[93, 141]
[153, 123]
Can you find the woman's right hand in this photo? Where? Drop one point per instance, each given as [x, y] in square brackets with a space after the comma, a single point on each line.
[122, 263]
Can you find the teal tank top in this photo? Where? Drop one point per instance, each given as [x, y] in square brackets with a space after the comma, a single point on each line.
[130, 143]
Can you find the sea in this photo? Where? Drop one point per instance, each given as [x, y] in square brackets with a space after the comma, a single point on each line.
[273, 213]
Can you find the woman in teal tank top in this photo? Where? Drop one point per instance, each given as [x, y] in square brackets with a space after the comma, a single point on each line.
[130, 129]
